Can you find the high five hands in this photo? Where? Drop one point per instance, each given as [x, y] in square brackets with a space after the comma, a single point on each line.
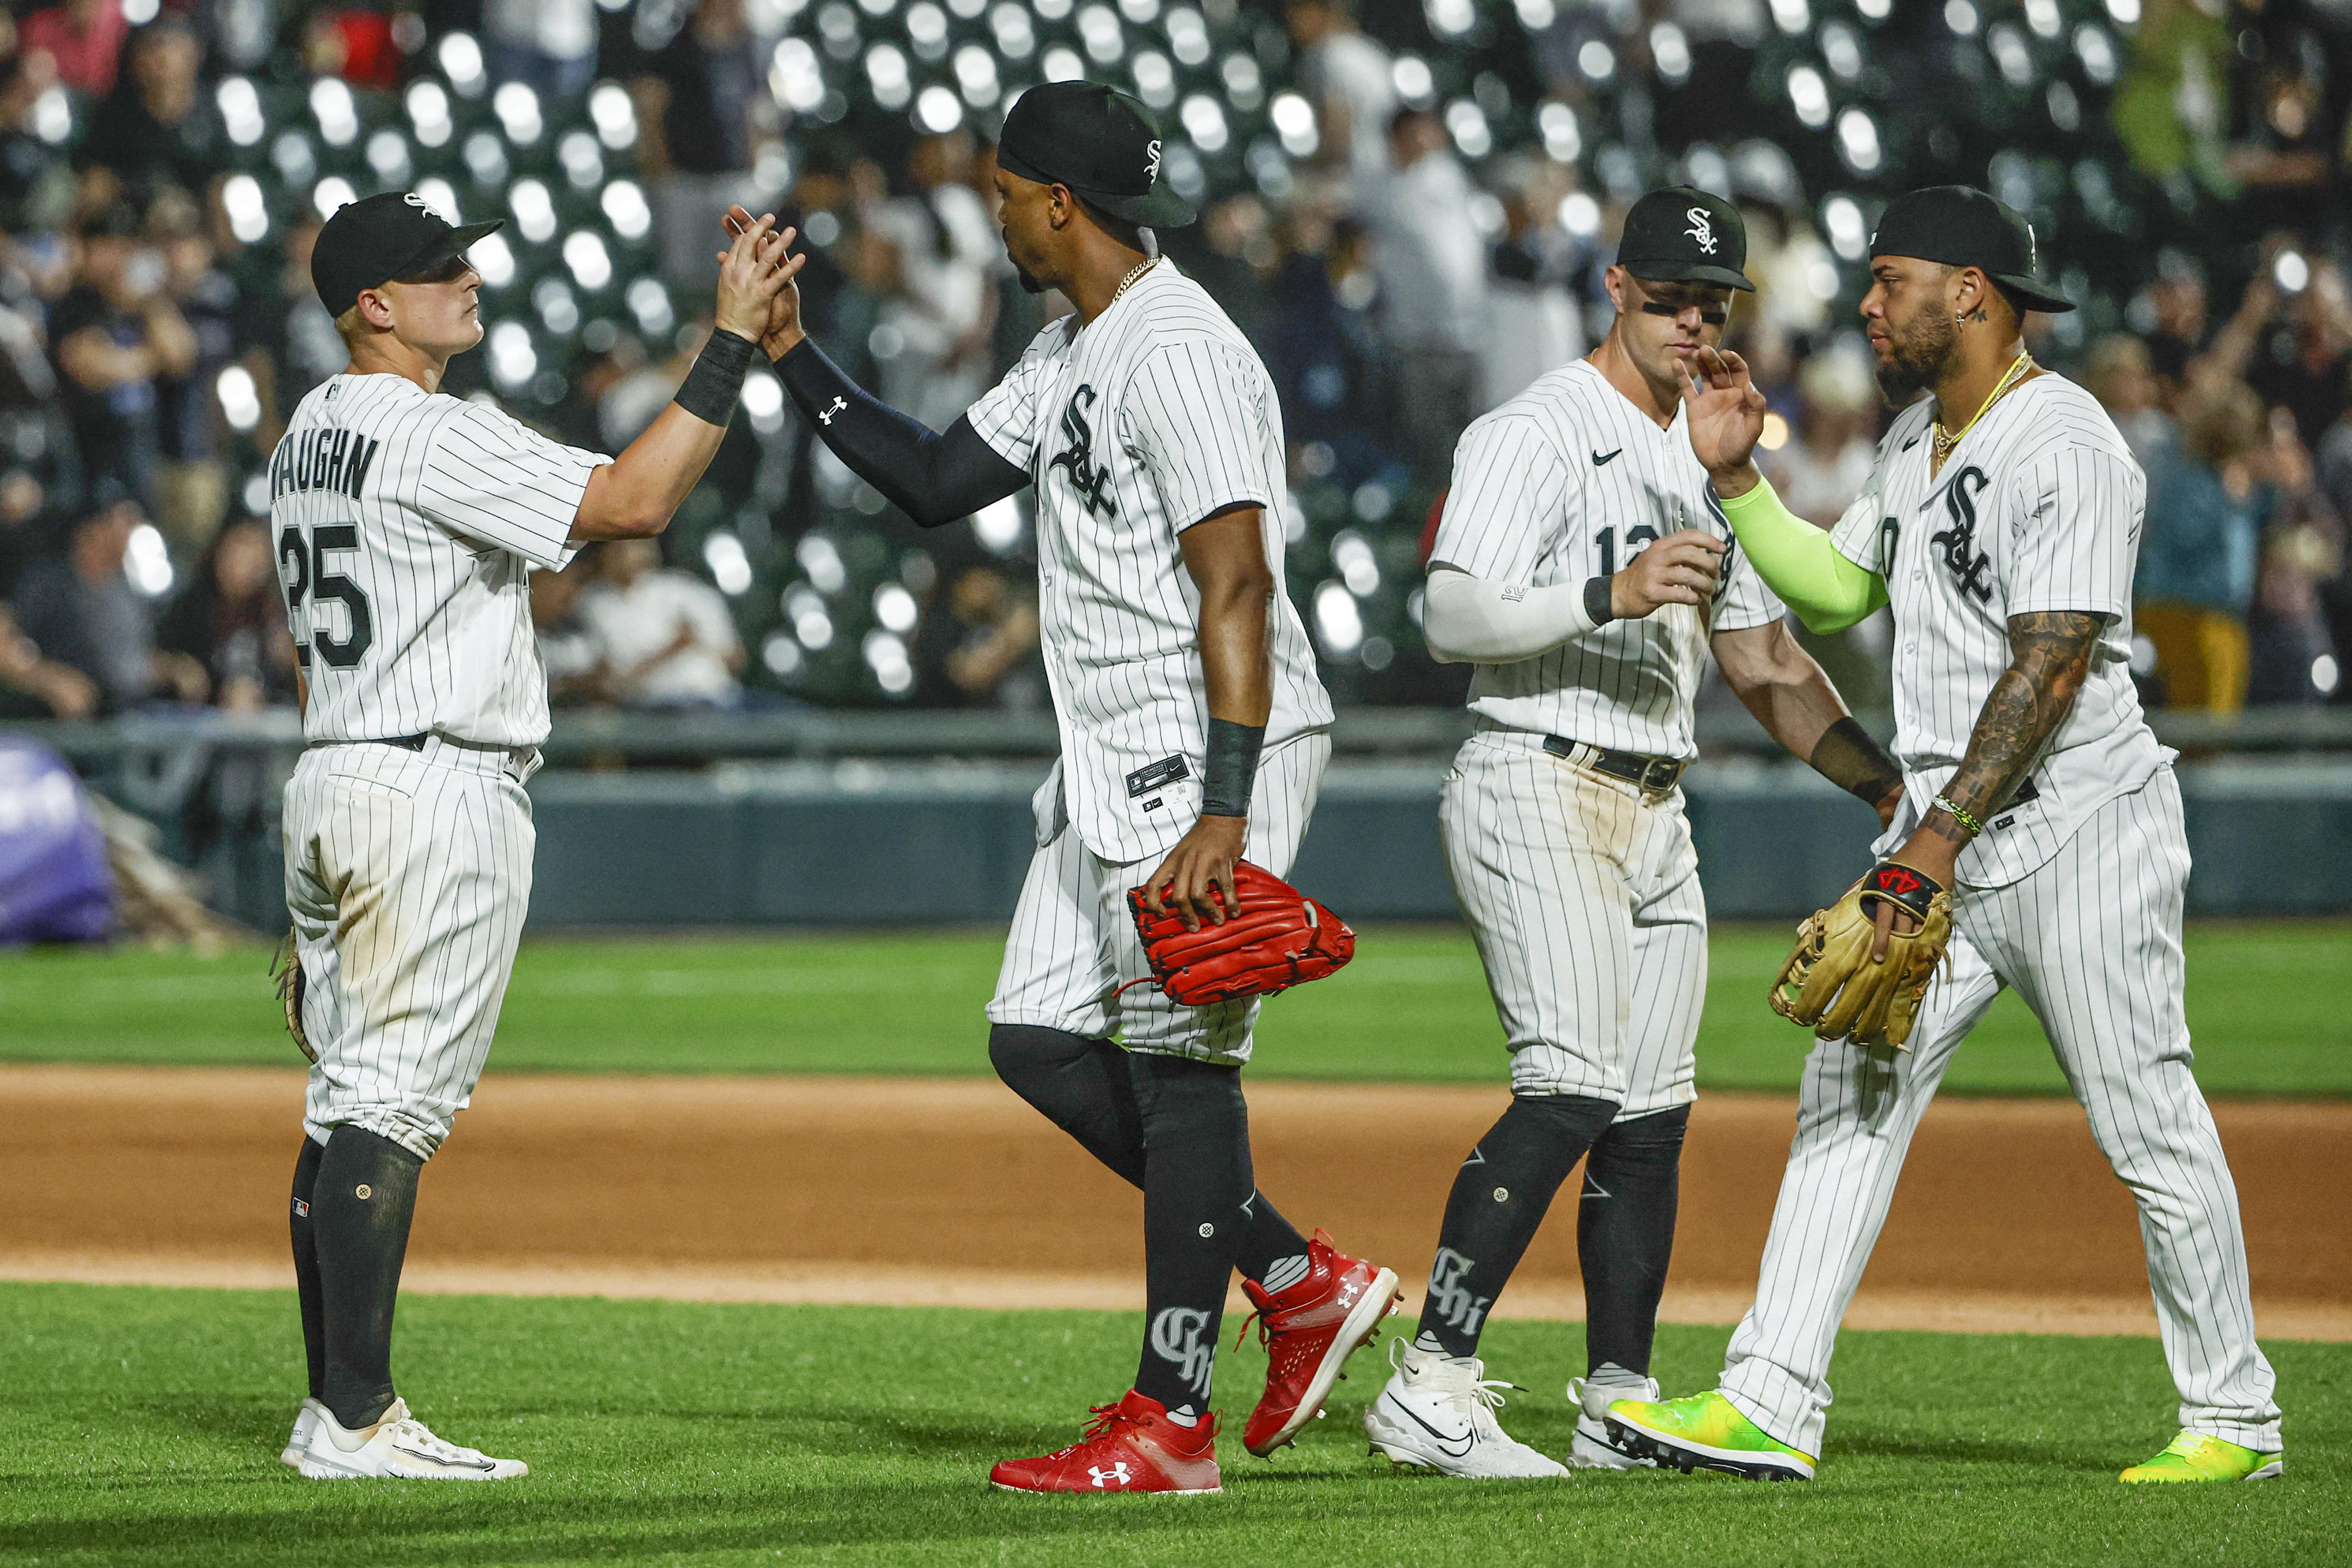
[1725, 416]
[778, 328]
[752, 272]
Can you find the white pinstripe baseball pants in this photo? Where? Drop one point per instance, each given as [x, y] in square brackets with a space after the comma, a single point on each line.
[1073, 939]
[407, 875]
[1584, 895]
[2091, 942]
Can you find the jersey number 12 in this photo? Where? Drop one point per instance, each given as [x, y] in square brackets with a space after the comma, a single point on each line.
[314, 581]
[1635, 538]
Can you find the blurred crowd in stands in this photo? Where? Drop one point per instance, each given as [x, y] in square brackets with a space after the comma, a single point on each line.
[1403, 263]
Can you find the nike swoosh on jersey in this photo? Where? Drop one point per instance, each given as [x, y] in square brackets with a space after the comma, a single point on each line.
[1600, 462]
[1468, 1439]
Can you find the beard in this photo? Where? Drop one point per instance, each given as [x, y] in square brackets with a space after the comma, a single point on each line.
[1915, 355]
[1029, 284]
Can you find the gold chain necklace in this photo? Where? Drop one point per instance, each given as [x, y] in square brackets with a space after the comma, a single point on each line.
[1148, 262]
[1944, 443]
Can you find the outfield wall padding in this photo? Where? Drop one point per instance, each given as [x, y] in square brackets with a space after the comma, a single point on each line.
[857, 843]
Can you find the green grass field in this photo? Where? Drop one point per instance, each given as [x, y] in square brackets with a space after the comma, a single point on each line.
[2270, 1006]
[143, 1427]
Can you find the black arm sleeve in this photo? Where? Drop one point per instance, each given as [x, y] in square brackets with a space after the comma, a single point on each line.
[1848, 758]
[932, 478]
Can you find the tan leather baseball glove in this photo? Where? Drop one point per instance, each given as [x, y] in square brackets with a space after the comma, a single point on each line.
[1829, 979]
[286, 969]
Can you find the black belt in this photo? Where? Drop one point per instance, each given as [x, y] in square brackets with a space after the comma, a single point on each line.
[1656, 773]
[406, 742]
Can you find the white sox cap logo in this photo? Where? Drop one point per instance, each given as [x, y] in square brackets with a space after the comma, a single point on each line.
[1151, 162]
[412, 198]
[1702, 229]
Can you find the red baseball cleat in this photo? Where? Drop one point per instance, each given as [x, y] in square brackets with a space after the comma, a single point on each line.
[1129, 1446]
[1310, 1329]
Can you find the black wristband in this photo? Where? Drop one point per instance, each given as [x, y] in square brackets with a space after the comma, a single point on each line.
[1230, 767]
[1848, 757]
[1597, 608]
[716, 383]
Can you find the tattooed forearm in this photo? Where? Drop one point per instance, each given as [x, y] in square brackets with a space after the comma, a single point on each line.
[2049, 656]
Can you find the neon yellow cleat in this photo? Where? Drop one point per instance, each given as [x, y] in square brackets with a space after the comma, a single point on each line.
[1705, 1432]
[2195, 1457]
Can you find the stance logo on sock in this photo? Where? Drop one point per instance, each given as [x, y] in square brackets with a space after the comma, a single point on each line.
[1176, 1337]
[1593, 1189]
[1185, 1416]
[1454, 1300]
[1284, 1272]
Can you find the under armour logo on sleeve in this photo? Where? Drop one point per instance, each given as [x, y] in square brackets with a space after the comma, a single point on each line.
[836, 406]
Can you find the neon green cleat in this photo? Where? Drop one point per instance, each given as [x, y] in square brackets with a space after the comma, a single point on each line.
[2195, 1457]
[1705, 1432]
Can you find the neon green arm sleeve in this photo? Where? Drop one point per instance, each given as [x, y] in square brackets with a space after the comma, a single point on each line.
[1798, 562]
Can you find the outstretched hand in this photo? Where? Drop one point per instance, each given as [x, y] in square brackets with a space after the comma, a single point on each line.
[753, 273]
[780, 328]
[1725, 416]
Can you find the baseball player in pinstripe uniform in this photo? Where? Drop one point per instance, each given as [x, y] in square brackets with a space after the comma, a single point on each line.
[408, 525]
[1194, 734]
[1580, 563]
[2001, 524]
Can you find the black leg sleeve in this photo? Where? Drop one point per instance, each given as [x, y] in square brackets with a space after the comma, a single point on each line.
[1499, 1199]
[1081, 1085]
[1195, 1189]
[1084, 1087]
[1626, 1236]
[359, 1210]
[305, 1265]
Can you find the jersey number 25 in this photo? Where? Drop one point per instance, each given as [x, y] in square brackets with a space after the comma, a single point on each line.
[314, 581]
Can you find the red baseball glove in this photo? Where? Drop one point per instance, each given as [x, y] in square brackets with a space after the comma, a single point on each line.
[1280, 939]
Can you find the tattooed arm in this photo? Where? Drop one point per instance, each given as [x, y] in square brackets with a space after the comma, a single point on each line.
[2050, 657]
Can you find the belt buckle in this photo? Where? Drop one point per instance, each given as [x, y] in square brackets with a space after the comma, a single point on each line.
[1658, 775]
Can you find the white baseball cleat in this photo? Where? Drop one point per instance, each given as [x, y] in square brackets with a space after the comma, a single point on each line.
[399, 1447]
[1592, 1448]
[1438, 1412]
[306, 1421]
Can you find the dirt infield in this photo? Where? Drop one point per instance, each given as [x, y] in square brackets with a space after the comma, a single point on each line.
[923, 1190]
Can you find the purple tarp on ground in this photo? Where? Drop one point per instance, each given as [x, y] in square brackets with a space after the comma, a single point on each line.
[54, 882]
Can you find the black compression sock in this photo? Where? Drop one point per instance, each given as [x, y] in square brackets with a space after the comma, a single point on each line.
[1086, 1088]
[1499, 1199]
[1196, 1183]
[1273, 1252]
[359, 1208]
[1625, 1234]
[305, 1265]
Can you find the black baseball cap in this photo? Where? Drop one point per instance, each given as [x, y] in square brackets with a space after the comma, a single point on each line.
[1098, 143]
[1684, 234]
[370, 242]
[1959, 225]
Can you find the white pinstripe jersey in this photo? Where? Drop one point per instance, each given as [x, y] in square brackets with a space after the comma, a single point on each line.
[2038, 509]
[1566, 482]
[1134, 428]
[407, 522]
